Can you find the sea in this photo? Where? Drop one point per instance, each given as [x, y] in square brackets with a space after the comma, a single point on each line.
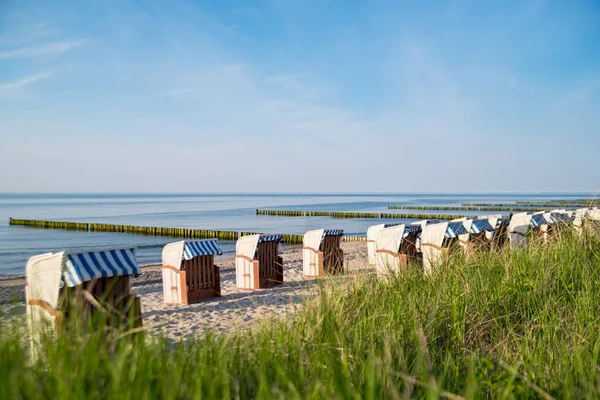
[225, 211]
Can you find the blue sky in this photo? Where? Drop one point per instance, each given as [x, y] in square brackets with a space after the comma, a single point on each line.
[319, 96]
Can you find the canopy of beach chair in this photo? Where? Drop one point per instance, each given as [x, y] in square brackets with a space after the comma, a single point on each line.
[247, 245]
[482, 225]
[314, 238]
[174, 253]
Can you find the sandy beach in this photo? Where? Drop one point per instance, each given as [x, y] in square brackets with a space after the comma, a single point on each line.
[235, 308]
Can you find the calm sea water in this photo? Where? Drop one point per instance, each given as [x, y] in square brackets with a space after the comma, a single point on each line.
[200, 211]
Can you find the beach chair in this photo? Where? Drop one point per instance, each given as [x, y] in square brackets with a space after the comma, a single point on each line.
[499, 236]
[578, 219]
[517, 229]
[372, 232]
[463, 239]
[257, 262]
[72, 286]
[321, 253]
[410, 247]
[593, 214]
[396, 247]
[481, 234]
[438, 241]
[494, 220]
[592, 220]
[387, 250]
[415, 236]
[538, 226]
[556, 220]
[189, 271]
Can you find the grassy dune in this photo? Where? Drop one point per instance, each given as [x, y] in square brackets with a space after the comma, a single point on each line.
[512, 324]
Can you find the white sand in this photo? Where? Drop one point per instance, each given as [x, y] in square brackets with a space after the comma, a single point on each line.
[235, 308]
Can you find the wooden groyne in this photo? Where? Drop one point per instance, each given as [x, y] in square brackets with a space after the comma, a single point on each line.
[559, 203]
[134, 229]
[333, 214]
[554, 204]
[462, 208]
[184, 233]
[71, 226]
[354, 215]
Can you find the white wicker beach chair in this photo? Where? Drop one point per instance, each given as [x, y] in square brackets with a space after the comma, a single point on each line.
[434, 243]
[321, 252]
[387, 247]
[493, 220]
[104, 274]
[517, 229]
[189, 272]
[372, 232]
[257, 262]
[463, 240]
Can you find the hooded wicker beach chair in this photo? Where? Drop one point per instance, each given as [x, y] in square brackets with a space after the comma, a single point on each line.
[372, 232]
[189, 271]
[387, 250]
[555, 221]
[257, 262]
[70, 286]
[493, 219]
[438, 240]
[321, 253]
[499, 236]
[415, 234]
[396, 247]
[463, 239]
[481, 233]
[517, 229]
[579, 218]
[538, 226]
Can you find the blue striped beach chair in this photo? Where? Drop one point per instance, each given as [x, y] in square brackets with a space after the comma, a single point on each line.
[189, 271]
[75, 286]
[257, 262]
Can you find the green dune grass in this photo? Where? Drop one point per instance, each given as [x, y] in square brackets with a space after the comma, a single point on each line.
[510, 324]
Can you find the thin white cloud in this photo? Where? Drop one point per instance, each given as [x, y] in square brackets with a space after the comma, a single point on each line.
[25, 81]
[48, 49]
[174, 92]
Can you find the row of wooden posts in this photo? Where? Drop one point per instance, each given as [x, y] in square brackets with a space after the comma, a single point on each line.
[554, 203]
[463, 208]
[352, 215]
[153, 231]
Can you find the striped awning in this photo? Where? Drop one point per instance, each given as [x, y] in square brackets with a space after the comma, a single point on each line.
[481, 225]
[333, 232]
[537, 220]
[83, 267]
[555, 217]
[454, 229]
[195, 248]
[390, 225]
[269, 238]
[411, 229]
[500, 221]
